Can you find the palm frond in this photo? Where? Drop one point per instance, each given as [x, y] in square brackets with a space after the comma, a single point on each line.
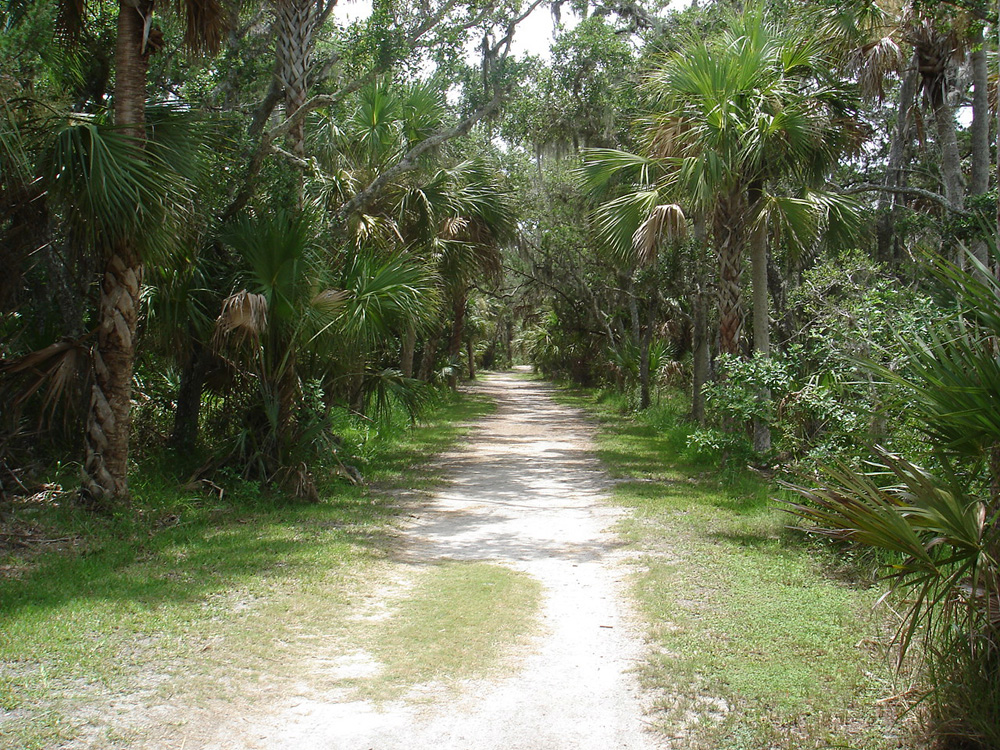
[665, 223]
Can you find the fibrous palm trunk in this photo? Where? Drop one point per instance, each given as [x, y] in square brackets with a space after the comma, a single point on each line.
[297, 21]
[106, 438]
[729, 238]
[888, 205]
[761, 318]
[406, 353]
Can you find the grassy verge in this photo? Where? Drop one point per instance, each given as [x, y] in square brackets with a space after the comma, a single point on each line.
[98, 612]
[762, 637]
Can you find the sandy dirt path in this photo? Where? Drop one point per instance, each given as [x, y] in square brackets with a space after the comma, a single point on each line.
[525, 491]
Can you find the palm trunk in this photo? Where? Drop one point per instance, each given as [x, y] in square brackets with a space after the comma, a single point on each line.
[189, 393]
[296, 24]
[106, 438]
[644, 346]
[105, 476]
[951, 158]
[406, 353]
[700, 347]
[429, 357]
[888, 205]
[470, 349]
[761, 319]
[729, 239]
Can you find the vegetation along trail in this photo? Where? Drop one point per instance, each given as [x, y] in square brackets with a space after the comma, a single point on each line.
[525, 493]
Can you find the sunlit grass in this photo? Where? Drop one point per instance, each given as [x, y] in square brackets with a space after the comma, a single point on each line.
[114, 605]
[756, 645]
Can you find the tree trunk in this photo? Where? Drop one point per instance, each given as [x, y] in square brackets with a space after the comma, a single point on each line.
[644, 346]
[888, 204]
[457, 329]
[700, 347]
[106, 437]
[979, 133]
[429, 357]
[189, 392]
[296, 24]
[951, 158]
[470, 349]
[406, 354]
[729, 240]
[761, 318]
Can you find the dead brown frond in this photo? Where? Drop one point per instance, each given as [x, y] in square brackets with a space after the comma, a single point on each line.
[668, 138]
[874, 62]
[454, 227]
[329, 300]
[56, 367]
[205, 23]
[243, 314]
[665, 223]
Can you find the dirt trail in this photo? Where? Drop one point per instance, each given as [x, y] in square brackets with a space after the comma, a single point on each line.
[526, 492]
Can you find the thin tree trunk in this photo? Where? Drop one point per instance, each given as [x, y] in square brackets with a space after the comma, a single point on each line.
[457, 329]
[470, 349]
[701, 350]
[406, 354]
[106, 437]
[979, 134]
[429, 357]
[761, 319]
[888, 207]
[644, 347]
[189, 392]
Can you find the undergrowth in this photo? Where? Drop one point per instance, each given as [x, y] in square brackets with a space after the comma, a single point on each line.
[763, 637]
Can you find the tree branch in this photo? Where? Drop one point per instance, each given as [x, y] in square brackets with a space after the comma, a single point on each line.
[868, 187]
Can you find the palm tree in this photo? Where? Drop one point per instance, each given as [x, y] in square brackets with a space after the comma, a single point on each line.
[734, 118]
[120, 220]
[454, 218]
[298, 316]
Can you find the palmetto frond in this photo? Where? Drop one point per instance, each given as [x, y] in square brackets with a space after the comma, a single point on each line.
[946, 544]
[113, 187]
[380, 296]
[665, 223]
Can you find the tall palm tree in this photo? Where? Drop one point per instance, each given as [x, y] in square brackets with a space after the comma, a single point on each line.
[734, 117]
[121, 223]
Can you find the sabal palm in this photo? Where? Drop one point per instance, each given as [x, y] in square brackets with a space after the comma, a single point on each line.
[735, 114]
[122, 249]
[299, 315]
[454, 218]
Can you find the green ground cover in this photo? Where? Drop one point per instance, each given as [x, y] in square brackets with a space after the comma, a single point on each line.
[93, 608]
[762, 636]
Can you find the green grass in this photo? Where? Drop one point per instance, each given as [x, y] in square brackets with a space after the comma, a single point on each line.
[97, 607]
[458, 621]
[760, 639]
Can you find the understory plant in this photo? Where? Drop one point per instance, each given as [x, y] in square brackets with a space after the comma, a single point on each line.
[938, 526]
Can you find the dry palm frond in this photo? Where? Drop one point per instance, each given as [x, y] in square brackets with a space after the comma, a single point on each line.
[669, 138]
[205, 22]
[665, 223]
[454, 227]
[57, 365]
[329, 300]
[873, 62]
[243, 313]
